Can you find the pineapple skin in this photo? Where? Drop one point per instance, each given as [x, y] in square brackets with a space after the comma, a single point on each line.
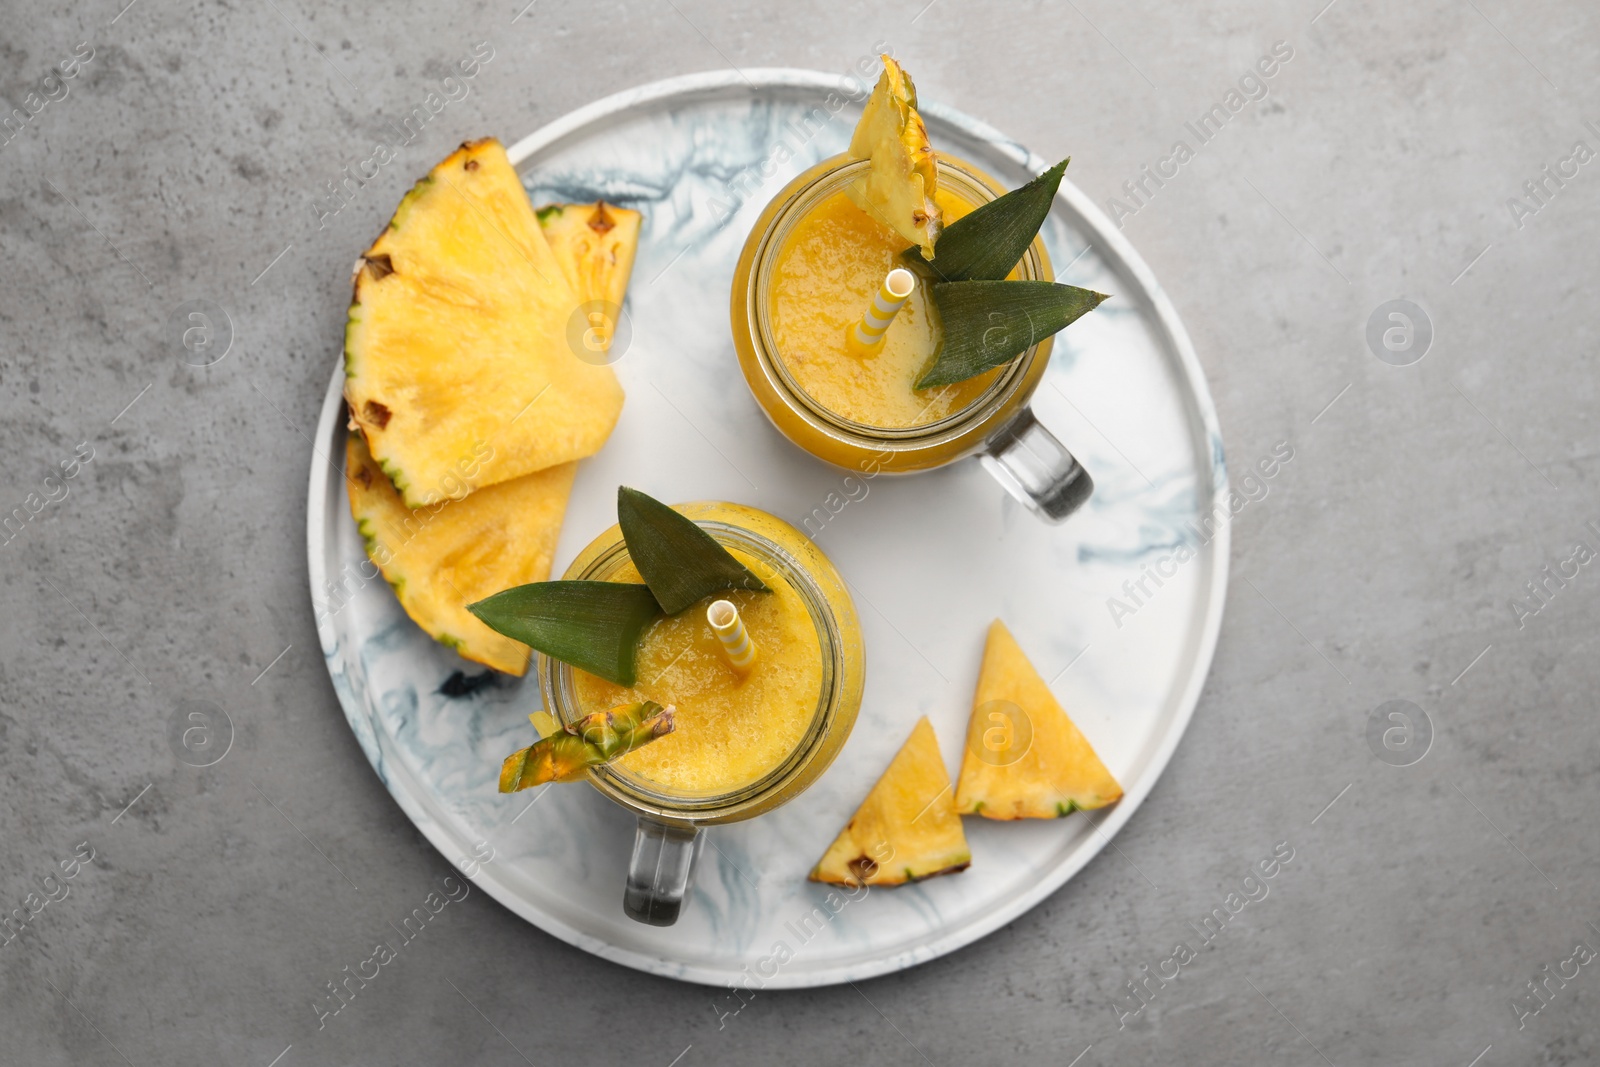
[1058, 774]
[906, 829]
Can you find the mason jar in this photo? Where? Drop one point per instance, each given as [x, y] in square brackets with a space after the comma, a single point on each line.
[996, 424]
[670, 819]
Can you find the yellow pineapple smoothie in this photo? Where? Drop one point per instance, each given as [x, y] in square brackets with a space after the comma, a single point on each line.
[740, 745]
[827, 270]
[730, 730]
[808, 273]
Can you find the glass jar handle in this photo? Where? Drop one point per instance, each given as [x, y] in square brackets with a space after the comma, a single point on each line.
[660, 871]
[1036, 468]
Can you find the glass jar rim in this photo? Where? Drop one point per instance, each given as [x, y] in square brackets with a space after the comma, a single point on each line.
[638, 792]
[758, 298]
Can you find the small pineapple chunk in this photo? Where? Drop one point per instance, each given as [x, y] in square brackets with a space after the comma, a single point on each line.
[1055, 772]
[907, 829]
[595, 245]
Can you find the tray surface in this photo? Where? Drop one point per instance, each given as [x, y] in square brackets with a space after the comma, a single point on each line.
[701, 155]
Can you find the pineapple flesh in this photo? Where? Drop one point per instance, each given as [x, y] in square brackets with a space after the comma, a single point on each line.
[898, 188]
[595, 245]
[1042, 768]
[907, 829]
[440, 559]
[459, 371]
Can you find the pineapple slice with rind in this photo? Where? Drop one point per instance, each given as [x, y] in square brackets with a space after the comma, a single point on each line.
[1024, 758]
[595, 245]
[907, 829]
[597, 738]
[898, 188]
[458, 367]
[441, 558]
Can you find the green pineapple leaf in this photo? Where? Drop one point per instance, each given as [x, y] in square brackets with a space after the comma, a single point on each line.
[985, 244]
[987, 323]
[679, 561]
[594, 626]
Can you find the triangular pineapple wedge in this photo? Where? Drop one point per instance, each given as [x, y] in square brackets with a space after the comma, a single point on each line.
[907, 829]
[440, 559]
[1024, 758]
[458, 365]
[595, 245]
[898, 189]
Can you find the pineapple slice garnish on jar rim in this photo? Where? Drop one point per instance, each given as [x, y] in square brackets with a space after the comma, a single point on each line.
[898, 188]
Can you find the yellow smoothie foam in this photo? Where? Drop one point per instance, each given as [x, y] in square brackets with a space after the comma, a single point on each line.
[827, 273]
[731, 730]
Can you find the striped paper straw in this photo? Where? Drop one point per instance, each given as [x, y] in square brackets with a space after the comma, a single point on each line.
[892, 296]
[729, 628]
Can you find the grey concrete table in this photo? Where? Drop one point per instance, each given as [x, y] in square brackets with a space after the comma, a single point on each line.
[1435, 912]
